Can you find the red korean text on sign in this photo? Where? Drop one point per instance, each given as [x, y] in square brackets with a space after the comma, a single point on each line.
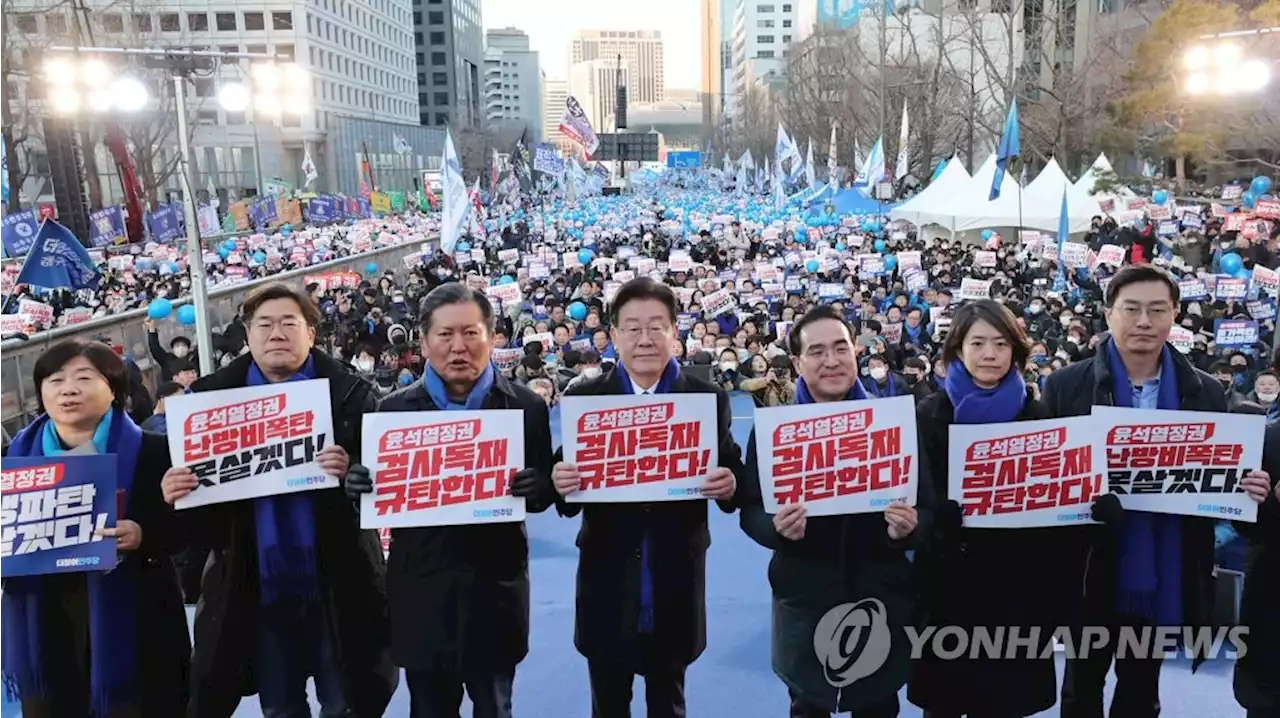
[1027, 472]
[638, 445]
[427, 467]
[238, 427]
[1172, 459]
[837, 455]
[30, 478]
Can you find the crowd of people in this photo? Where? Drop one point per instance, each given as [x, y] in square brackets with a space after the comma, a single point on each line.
[621, 295]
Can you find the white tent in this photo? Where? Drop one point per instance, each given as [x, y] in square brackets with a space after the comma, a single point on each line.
[1047, 190]
[917, 210]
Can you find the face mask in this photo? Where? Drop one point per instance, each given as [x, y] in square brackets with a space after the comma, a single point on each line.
[1037, 357]
[728, 366]
[1036, 308]
[1267, 398]
[879, 373]
[1066, 321]
[591, 372]
[364, 365]
[912, 378]
[180, 351]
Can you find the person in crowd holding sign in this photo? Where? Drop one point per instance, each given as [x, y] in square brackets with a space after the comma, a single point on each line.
[1257, 675]
[820, 563]
[1148, 569]
[642, 572]
[460, 594]
[293, 587]
[986, 577]
[110, 643]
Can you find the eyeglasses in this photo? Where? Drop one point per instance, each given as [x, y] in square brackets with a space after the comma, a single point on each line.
[289, 325]
[656, 331]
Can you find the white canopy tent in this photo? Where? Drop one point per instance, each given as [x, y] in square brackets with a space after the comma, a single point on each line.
[916, 210]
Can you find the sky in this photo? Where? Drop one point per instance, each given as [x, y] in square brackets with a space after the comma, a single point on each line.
[551, 23]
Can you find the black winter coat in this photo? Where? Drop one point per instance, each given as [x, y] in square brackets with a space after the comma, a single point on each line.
[988, 577]
[460, 594]
[1257, 679]
[1073, 391]
[840, 560]
[351, 569]
[163, 644]
[609, 560]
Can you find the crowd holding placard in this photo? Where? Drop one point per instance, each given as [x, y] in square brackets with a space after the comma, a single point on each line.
[916, 454]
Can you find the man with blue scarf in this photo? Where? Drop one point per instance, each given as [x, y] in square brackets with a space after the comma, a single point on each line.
[293, 588]
[460, 594]
[821, 563]
[1148, 569]
[642, 571]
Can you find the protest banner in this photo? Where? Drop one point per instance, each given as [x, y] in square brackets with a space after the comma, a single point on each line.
[547, 339]
[1024, 474]
[1231, 288]
[507, 359]
[871, 264]
[909, 260]
[572, 261]
[891, 333]
[1112, 254]
[983, 258]
[971, 288]
[40, 313]
[717, 303]
[508, 256]
[1234, 222]
[1160, 211]
[508, 294]
[1191, 288]
[251, 442]
[1266, 280]
[1232, 191]
[16, 324]
[838, 458]
[831, 291]
[1261, 309]
[52, 509]
[1268, 208]
[1235, 333]
[1188, 463]
[442, 468]
[1074, 254]
[679, 262]
[640, 448]
[78, 315]
[916, 280]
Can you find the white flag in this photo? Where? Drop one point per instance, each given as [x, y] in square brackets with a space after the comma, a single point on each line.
[832, 165]
[400, 145]
[455, 209]
[904, 148]
[858, 160]
[308, 167]
[810, 176]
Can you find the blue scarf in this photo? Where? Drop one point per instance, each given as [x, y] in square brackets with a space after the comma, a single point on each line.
[913, 333]
[440, 394]
[975, 405]
[286, 530]
[644, 621]
[804, 397]
[1149, 565]
[113, 662]
[889, 389]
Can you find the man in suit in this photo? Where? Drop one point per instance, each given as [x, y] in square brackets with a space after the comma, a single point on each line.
[459, 595]
[641, 606]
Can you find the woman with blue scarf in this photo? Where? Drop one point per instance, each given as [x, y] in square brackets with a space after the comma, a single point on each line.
[81, 644]
[985, 577]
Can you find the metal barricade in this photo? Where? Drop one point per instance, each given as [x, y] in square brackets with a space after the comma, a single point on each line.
[18, 356]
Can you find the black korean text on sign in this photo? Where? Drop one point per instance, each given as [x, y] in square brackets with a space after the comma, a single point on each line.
[439, 465]
[38, 515]
[1172, 459]
[830, 456]
[638, 445]
[1027, 472]
[251, 438]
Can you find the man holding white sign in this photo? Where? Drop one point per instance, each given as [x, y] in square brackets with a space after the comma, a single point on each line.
[292, 588]
[458, 571]
[642, 573]
[825, 561]
[1155, 569]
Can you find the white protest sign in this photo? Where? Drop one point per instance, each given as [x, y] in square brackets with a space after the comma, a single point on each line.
[1075, 254]
[1112, 254]
[640, 448]
[971, 288]
[1188, 463]
[40, 313]
[1181, 338]
[1266, 280]
[547, 339]
[847, 457]
[1024, 474]
[984, 258]
[251, 442]
[717, 303]
[909, 260]
[679, 262]
[442, 468]
[508, 293]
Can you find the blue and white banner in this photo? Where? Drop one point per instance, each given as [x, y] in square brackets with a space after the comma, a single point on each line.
[164, 224]
[263, 212]
[53, 508]
[57, 259]
[106, 227]
[18, 232]
[1235, 333]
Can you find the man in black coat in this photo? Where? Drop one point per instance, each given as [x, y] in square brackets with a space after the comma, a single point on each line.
[264, 631]
[1141, 305]
[460, 594]
[1257, 677]
[649, 619]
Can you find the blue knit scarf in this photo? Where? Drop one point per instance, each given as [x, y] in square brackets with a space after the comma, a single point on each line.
[113, 663]
[804, 397]
[286, 530]
[644, 621]
[1149, 565]
[439, 393]
[975, 405]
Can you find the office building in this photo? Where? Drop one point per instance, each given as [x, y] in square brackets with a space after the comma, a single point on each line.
[762, 33]
[641, 50]
[712, 73]
[595, 84]
[512, 83]
[449, 51]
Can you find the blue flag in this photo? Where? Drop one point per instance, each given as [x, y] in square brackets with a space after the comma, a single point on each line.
[1009, 144]
[106, 227]
[18, 232]
[1064, 229]
[58, 260]
[164, 224]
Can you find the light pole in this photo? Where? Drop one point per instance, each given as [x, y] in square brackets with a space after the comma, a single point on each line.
[128, 94]
[1219, 65]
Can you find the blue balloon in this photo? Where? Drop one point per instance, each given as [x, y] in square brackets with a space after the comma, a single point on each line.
[186, 314]
[224, 252]
[506, 279]
[286, 230]
[812, 265]
[159, 308]
[169, 268]
[1244, 273]
[464, 246]
[840, 246]
[891, 262]
[1231, 263]
[987, 235]
[229, 245]
[577, 311]
[879, 244]
[585, 255]
[1160, 196]
[260, 257]
[1248, 199]
[371, 268]
[1260, 185]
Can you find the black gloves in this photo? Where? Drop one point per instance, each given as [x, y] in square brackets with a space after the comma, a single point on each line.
[357, 482]
[527, 483]
[948, 518]
[1106, 509]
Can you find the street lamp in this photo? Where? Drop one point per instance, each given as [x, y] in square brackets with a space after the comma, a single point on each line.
[90, 83]
[271, 82]
[1219, 65]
